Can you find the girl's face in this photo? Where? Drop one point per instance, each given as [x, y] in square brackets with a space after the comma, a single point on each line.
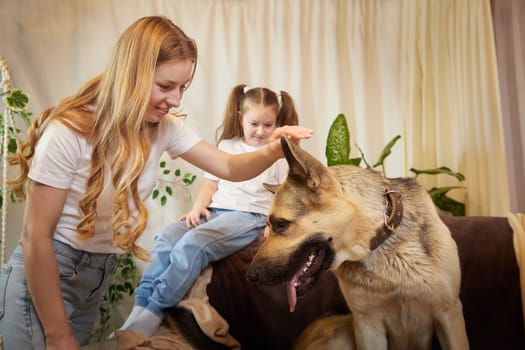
[169, 83]
[258, 123]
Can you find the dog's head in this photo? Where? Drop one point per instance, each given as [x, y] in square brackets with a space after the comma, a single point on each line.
[313, 227]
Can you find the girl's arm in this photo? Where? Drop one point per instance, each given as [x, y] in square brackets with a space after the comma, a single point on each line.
[43, 208]
[200, 205]
[244, 166]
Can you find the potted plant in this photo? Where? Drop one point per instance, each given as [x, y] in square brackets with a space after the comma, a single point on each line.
[338, 152]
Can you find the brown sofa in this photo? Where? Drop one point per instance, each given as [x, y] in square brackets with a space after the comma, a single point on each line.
[490, 293]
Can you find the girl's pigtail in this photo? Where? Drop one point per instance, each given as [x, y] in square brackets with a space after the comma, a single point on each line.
[230, 126]
[287, 113]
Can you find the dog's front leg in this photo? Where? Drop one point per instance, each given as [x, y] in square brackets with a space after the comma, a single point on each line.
[370, 334]
[450, 328]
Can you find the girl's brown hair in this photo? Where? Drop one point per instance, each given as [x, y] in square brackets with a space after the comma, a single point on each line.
[240, 101]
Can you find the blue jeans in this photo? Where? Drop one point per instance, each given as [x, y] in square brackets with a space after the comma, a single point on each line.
[83, 279]
[179, 254]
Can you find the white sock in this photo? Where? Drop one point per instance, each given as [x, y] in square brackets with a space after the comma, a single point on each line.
[146, 323]
[135, 312]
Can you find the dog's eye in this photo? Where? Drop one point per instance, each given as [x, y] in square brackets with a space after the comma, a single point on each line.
[279, 225]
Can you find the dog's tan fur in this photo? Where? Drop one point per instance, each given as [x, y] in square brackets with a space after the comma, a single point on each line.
[401, 293]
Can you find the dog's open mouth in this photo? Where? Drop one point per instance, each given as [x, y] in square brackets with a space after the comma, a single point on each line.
[306, 276]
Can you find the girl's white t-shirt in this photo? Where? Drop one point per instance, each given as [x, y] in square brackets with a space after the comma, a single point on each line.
[62, 160]
[248, 195]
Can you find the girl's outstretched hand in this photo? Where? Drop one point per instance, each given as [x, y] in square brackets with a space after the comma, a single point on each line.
[293, 132]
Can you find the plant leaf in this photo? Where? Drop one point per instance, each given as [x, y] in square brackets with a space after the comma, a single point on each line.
[338, 142]
[363, 156]
[441, 191]
[17, 100]
[12, 146]
[445, 203]
[189, 179]
[441, 170]
[355, 161]
[387, 150]
[155, 194]
[26, 117]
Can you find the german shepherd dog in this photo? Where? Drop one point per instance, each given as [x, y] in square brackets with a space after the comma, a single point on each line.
[395, 260]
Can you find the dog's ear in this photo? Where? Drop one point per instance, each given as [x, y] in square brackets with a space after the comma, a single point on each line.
[271, 187]
[303, 166]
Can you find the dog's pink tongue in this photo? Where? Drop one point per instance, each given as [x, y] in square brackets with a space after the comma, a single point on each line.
[292, 294]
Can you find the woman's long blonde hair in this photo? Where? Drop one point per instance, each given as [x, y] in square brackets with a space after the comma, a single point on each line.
[116, 129]
[240, 101]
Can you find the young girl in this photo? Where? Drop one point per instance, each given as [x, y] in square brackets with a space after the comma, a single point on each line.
[225, 217]
[90, 163]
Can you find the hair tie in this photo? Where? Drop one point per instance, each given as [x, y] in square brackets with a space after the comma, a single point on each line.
[245, 89]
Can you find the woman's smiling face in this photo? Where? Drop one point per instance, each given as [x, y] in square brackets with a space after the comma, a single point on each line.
[169, 83]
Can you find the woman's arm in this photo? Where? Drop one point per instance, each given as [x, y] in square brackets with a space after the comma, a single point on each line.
[240, 167]
[200, 205]
[43, 208]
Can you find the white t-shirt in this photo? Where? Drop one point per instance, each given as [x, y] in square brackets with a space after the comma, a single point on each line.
[248, 195]
[62, 159]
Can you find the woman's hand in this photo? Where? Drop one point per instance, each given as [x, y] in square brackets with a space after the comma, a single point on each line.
[193, 217]
[294, 132]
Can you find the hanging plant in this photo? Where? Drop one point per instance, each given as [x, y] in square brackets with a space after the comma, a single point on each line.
[15, 102]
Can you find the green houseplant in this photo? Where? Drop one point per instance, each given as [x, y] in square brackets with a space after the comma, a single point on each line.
[15, 103]
[338, 152]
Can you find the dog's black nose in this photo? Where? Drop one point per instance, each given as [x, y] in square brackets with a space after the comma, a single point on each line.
[252, 275]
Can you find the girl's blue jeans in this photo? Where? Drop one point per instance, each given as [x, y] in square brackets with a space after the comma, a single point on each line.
[83, 279]
[179, 254]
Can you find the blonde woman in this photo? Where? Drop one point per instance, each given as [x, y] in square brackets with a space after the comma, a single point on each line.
[90, 163]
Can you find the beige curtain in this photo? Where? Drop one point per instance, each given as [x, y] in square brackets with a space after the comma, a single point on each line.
[450, 99]
[509, 29]
[422, 69]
